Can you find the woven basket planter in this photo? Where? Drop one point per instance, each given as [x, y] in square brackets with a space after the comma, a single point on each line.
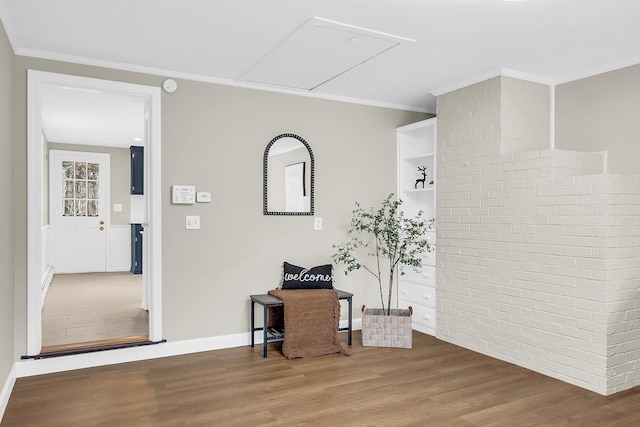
[380, 330]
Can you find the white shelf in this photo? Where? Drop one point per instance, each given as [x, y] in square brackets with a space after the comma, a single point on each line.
[419, 156]
[419, 190]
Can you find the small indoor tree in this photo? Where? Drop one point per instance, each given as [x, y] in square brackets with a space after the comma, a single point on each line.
[388, 239]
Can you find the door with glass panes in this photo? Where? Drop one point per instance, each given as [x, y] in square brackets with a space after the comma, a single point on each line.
[78, 207]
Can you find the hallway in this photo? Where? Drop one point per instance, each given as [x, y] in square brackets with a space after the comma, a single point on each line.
[87, 307]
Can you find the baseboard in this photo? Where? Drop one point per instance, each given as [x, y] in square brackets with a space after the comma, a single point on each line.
[31, 367]
[424, 329]
[356, 324]
[6, 390]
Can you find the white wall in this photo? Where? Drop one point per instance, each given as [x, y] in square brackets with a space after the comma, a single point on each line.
[119, 248]
[537, 249]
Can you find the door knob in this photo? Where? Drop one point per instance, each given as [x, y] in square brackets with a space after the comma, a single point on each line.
[101, 222]
[101, 228]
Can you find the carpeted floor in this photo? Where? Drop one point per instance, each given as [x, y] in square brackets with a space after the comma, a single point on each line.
[93, 306]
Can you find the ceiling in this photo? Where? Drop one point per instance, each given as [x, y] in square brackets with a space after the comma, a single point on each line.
[88, 117]
[449, 43]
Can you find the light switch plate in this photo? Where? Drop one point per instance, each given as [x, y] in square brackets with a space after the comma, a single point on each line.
[192, 222]
[317, 223]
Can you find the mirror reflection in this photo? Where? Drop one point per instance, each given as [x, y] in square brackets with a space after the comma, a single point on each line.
[288, 176]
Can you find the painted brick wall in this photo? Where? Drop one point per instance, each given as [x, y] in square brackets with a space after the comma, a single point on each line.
[537, 256]
[525, 115]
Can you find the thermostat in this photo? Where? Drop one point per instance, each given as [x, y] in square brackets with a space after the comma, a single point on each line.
[183, 194]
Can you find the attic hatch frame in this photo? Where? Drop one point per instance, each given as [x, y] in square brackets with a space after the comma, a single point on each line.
[320, 51]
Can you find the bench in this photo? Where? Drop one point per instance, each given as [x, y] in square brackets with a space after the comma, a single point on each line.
[273, 335]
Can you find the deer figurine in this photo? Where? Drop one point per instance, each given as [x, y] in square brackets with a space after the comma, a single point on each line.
[424, 176]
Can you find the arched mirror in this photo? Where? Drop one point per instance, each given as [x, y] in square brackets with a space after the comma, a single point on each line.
[288, 176]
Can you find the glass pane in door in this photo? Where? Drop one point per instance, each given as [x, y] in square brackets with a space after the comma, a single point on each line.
[80, 188]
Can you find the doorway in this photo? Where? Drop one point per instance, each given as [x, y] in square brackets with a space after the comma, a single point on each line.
[41, 264]
[91, 301]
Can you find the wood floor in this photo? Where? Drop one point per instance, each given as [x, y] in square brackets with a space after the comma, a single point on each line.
[433, 384]
[92, 307]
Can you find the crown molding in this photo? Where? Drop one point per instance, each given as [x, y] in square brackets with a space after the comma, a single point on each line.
[53, 56]
[9, 28]
[533, 78]
[467, 82]
[599, 70]
[498, 72]
[508, 72]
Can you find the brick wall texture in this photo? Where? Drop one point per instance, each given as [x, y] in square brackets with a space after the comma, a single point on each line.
[538, 255]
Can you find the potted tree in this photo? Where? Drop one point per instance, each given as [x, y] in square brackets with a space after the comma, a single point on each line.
[391, 242]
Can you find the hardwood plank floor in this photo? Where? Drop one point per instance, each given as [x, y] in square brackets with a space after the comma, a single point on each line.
[433, 384]
[86, 307]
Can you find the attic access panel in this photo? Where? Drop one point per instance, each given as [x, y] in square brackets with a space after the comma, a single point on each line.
[318, 52]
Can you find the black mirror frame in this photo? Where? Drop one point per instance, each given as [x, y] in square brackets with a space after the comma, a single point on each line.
[265, 210]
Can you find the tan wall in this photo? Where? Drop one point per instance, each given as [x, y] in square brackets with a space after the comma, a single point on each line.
[120, 176]
[214, 137]
[7, 323]
[602, 113]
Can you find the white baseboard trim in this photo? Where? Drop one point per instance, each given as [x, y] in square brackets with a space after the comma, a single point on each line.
[31, 367]
[424, 329]
[6, 390]
[356, 324]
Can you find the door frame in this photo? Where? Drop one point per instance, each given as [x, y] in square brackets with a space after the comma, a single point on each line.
[36, 271]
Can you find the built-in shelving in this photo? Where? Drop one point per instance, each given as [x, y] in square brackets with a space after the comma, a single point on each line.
[416, 151]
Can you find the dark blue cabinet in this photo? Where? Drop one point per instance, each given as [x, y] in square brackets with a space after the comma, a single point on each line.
[137, 169]
[136, 248]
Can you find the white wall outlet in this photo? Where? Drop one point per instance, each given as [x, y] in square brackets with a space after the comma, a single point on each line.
[192, 222]
[317, 223]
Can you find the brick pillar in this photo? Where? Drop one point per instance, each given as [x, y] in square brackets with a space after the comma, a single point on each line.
[537, 259]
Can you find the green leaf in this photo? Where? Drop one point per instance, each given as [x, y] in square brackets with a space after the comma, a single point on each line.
[387, 239]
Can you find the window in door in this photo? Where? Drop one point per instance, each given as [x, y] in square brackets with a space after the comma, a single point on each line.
[81, 181]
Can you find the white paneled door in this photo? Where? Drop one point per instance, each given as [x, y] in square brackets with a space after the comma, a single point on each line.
[78, 206]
